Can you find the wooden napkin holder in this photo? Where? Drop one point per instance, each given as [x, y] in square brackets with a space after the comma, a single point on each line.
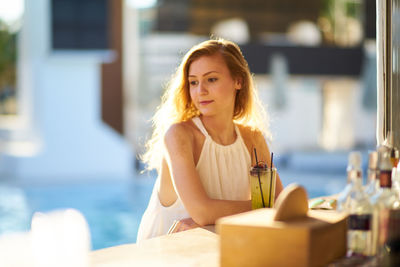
[287, 235]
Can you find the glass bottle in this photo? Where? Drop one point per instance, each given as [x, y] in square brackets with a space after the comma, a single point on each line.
[389, 228]
[355, 202]
[372, 186]
[359, 232]
[384, 200]
[396, 181]
[353, 173]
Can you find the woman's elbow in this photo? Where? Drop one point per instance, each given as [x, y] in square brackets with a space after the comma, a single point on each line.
[202, 220]
[201, 215]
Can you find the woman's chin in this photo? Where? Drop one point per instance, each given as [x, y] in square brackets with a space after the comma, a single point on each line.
[207, 113]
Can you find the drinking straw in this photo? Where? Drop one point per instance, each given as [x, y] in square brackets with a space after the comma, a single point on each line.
[259, 180]
[270, 182]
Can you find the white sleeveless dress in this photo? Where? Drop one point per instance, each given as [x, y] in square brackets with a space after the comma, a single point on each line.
[223, 171]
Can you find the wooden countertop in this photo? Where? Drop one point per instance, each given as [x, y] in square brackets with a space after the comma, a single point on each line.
[195, 247]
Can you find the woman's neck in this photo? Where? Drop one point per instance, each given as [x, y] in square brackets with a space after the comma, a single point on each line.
[220, 129]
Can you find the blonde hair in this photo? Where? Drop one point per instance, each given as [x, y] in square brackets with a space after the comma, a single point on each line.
[176, 105]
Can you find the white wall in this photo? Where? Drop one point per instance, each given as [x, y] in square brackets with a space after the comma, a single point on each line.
[299, 124]
[60, 99]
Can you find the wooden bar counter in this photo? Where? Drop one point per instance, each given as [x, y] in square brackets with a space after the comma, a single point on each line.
[195, 247]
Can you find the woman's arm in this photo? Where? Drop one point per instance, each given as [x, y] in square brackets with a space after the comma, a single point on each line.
[179, 143]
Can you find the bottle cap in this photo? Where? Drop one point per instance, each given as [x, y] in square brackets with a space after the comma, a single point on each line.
[355, 159]
[373, 160]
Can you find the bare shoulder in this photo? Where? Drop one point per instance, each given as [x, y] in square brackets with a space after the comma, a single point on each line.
[250, 134]
[254, 139]
[181, 133]
[178, 130]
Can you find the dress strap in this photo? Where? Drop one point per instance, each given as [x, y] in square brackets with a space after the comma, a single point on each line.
[199, 124]
[238, 132]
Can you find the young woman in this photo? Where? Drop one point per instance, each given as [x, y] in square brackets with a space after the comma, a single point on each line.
[205, 131]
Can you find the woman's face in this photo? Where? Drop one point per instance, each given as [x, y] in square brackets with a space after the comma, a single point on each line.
[212, 88]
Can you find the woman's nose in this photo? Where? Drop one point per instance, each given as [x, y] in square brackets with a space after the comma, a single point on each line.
[202, 88]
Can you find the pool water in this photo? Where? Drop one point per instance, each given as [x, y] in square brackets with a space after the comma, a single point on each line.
[113, 209]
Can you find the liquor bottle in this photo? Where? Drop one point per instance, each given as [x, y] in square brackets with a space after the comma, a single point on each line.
[396, 181]
[372, 186]
[359, 208]
[355, 202]
[359, 232]
[354, 172]
[384, 200]
[389, 228]
[389, 239]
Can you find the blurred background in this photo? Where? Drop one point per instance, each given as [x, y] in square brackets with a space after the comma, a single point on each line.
[80, 80]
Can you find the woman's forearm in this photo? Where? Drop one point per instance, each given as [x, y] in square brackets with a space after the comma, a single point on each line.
[208, 212]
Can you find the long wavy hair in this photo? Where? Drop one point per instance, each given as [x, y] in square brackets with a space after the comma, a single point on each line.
[177, 106]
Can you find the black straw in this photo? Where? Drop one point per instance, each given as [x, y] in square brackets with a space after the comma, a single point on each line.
[259, 180]
[270, 182]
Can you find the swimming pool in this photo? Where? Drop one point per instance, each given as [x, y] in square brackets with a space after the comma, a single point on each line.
[112, 208]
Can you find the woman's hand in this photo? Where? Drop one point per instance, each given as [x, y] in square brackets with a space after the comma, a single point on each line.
[182, 225]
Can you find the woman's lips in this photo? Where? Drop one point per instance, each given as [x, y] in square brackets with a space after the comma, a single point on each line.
[206, 102]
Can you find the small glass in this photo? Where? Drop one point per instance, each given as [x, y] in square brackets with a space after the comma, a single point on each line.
[263, 197]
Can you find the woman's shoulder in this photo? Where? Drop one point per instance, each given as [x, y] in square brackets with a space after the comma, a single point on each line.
[254, 139]
[181, 130]
[249, 132]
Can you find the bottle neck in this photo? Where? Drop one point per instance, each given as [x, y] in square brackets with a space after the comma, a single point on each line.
[354, 176]
[372, 175]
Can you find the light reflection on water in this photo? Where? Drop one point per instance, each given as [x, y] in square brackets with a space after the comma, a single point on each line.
[113, 209]
[14, 210]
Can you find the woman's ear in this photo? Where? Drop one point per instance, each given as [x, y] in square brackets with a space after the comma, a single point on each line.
[238, 83]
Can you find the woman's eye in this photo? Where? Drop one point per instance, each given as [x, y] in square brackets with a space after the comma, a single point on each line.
[212, 79]
[193, 83]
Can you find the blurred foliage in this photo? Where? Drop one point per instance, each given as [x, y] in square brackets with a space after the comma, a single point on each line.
[341, 21]
[8, 59]
[8, 56]
[351, 8]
